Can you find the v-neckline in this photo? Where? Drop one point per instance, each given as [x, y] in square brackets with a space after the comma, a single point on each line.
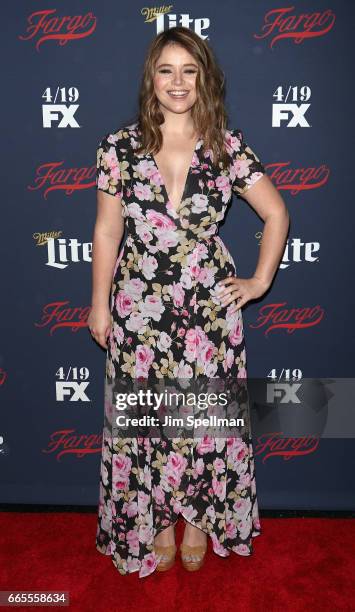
[163, 183]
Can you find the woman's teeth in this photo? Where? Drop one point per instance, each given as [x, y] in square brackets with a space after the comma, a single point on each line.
[178, 94]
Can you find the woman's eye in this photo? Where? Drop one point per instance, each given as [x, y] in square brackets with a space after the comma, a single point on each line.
[189, 71]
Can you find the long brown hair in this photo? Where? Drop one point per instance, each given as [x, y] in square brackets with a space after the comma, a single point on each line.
[208, 113]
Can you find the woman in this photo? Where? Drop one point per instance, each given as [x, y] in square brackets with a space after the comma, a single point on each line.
[169, 177]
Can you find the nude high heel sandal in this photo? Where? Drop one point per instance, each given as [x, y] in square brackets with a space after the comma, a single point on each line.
[168, 556]
[197, 552]
[192, 557]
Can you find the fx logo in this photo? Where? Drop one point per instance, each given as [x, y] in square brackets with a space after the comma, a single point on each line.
[290, 113]
[59, 112]
[75, 391]
[285, 391]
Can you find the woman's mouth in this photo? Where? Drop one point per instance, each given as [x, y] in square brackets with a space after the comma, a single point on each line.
[178, 94]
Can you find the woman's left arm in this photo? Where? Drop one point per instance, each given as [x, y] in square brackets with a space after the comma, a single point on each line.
[269, 205]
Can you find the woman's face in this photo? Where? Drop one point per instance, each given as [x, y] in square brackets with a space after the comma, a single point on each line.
[175, 79]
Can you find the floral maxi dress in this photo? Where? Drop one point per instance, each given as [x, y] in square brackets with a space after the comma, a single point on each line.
[164, 319]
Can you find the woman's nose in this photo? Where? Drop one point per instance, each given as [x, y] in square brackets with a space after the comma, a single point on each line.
[178, 78]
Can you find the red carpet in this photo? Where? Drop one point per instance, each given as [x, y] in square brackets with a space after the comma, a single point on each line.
[297, 565]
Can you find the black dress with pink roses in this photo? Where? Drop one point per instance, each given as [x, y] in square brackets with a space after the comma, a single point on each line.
[166, 320]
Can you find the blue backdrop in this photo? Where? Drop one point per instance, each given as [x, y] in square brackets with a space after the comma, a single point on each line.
[71, 75]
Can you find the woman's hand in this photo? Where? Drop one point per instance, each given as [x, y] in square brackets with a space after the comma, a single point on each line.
[234, 288]
[99, 323]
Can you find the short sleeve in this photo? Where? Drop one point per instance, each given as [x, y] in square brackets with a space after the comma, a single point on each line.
[108, 171]
[246, 168]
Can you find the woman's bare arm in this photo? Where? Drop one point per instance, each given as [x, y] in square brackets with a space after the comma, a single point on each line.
[267, 202]
[108, 233]
[107, 236]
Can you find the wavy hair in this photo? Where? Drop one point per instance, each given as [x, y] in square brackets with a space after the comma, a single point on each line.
[208, 113]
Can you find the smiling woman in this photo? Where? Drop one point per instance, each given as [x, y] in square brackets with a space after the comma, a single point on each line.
[174, 308]
[176, 84]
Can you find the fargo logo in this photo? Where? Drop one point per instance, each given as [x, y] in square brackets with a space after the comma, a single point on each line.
[279, 24]
[57, 315]
[43, 25]
[52, 176]
[165, 20]
[275, 445]
[68, 442]
[296, 180]
[274, 316]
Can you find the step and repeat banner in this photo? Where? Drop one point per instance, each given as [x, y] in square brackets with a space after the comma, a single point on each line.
[71, 74]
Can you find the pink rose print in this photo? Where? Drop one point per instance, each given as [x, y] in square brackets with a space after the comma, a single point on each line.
[164, 342]
[219, 465]
[235, 336]
[160, 221]
[121, 470]
[144, 359]
[149, 564]
[152, 307]
[133, 542]
[103, 181]
[148, 170]
[148, 264]
[142, 192]
[124, 303]
[219, 488]
[135, 288]
[199, 203]
[178, 294]
[136, 323]
[206, 445]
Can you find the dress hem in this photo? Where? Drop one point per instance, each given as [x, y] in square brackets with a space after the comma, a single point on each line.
[107, 553]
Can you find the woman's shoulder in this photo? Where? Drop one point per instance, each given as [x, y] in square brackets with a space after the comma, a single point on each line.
[234, 132]
[233, 140]
[120, 137]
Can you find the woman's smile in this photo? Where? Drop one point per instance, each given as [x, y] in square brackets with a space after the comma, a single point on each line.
[178, 94]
